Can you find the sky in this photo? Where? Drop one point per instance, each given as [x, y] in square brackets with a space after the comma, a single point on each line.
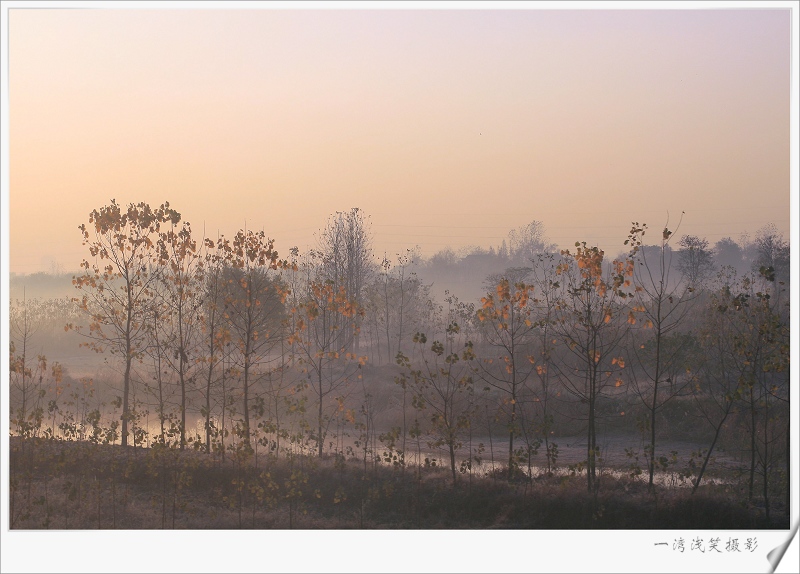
[449, 124]
[447, 127]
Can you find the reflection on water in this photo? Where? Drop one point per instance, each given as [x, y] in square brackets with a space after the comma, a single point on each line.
[482, 456]
[612, 461]
[489, 468]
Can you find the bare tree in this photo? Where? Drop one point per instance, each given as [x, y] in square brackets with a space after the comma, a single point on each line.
[695, 260]
[527, 242]
[216, 335]
[545, 279]
[772, 252]
[347, 259]
[663, 306]
[397, 303]
[28, 372]
[745, 375]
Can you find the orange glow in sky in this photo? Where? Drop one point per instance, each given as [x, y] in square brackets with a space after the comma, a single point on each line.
[447, 127]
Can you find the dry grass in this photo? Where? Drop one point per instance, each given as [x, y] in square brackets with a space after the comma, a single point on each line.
[70, 485]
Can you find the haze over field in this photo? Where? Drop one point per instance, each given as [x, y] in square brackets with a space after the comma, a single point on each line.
[447, 127]
[426, 358]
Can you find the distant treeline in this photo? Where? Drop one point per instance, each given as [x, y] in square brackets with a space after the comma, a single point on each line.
[282, 351]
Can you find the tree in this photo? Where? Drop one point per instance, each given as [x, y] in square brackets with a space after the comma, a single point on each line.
[591, 324]
[772, 252]
[526, 242]
[345, 246]
[663, 306]
[215, 333]
[760, 355]
[728, 253]
[253, 307]
[118, 284]
[325, 321]
[719, 385]
[695, 261]
[736, 254]
[545, 278]
[745, 341]
[28, 372]
[397, 303]
[443, 385]
[156, 348]
[181, 293]
[443, 258]
[506, 319]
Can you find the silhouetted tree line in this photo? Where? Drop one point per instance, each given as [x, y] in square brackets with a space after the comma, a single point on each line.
[233, 349]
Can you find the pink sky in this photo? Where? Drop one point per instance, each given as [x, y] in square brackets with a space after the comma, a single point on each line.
[447, 127]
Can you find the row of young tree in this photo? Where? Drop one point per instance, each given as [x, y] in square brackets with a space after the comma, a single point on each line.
[462, 271]
[263, 349]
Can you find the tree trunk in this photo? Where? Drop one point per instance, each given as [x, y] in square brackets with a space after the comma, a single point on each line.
[654, 404]
[182, 368]
[452, 459]
[765, 459]
[125, 389]
[752, 446]
[208, 411]
[711, 448]
[788, 500]
[319, 415]
[512, 428]
[183, 408]
[589, 452]
[246, 399]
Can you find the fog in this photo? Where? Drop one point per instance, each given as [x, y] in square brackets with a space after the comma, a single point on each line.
[355, 379]
[408, 269]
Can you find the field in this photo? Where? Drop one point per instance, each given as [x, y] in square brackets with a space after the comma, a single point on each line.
[80, 485]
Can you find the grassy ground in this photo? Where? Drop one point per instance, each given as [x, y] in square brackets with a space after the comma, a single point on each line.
[79, 485]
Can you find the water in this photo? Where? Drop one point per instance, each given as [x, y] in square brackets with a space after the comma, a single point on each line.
[493, 454]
